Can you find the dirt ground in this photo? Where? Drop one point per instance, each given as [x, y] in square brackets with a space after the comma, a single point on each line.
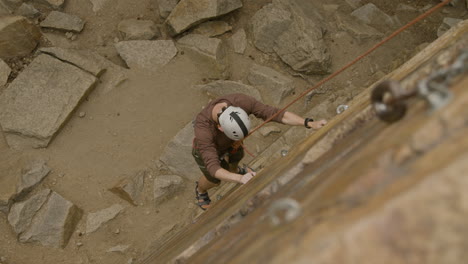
[127, 129]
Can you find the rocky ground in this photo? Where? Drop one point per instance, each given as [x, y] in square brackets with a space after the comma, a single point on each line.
[96, 100]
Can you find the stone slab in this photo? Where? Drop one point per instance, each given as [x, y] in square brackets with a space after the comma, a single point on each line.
[86, 60]
[165, 186]
[275, 86]
[63, 21]
[146, 54]
[40, 100]
[131, 188]
[220, 88]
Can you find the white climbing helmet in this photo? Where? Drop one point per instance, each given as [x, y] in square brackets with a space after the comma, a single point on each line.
[235, 122]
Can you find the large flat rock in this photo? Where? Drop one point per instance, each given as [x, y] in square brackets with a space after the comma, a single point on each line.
[275, 86]
[40, 100]
[209, 53]
[146, 54]
[18, 36]
[188, 13]
[63, 21]
[86, 60]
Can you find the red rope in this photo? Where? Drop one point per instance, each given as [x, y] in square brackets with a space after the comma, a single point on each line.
[333, 75]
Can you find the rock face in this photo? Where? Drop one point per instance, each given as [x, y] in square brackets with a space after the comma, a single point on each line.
[274, 84]
[166, 185]
[63, 21]
[130, 189]
[96, 219]
[219, 88]
[18, 37]
[178, 155]
[209, 52]
[46, 218]
[134, 29]
[188, 13]
[39, 101]
[146, 54]
[4, 72]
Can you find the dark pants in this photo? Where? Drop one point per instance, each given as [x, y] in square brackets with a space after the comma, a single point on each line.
[234, 158]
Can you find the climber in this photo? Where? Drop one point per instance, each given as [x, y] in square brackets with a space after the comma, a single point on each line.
[219, 130]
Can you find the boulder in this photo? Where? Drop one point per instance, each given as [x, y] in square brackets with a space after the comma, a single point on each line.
[295, 38]
[40, 100]
[212, 28]
[188, 13]
[447, 24]
[5, 71]
[18, 36]
[302, 47]
[178, 157]
[358, 29]
[55, 4]
[268, 24]
[210, 53]
[238, 41]
[372, 15]
[146, 54]
[166, 7]
[135, 29]
[165, 186]
[53, 224]
[131, 188]
[63, 21]
[28, 10]
[110, 75]
[274, 85]
[21, 214]
[219, 88]
[99, 4]
[96, 219]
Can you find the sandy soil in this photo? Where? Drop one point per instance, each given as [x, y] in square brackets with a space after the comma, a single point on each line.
[127, 129]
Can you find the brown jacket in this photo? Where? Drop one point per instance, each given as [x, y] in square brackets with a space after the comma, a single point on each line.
[210, 141]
